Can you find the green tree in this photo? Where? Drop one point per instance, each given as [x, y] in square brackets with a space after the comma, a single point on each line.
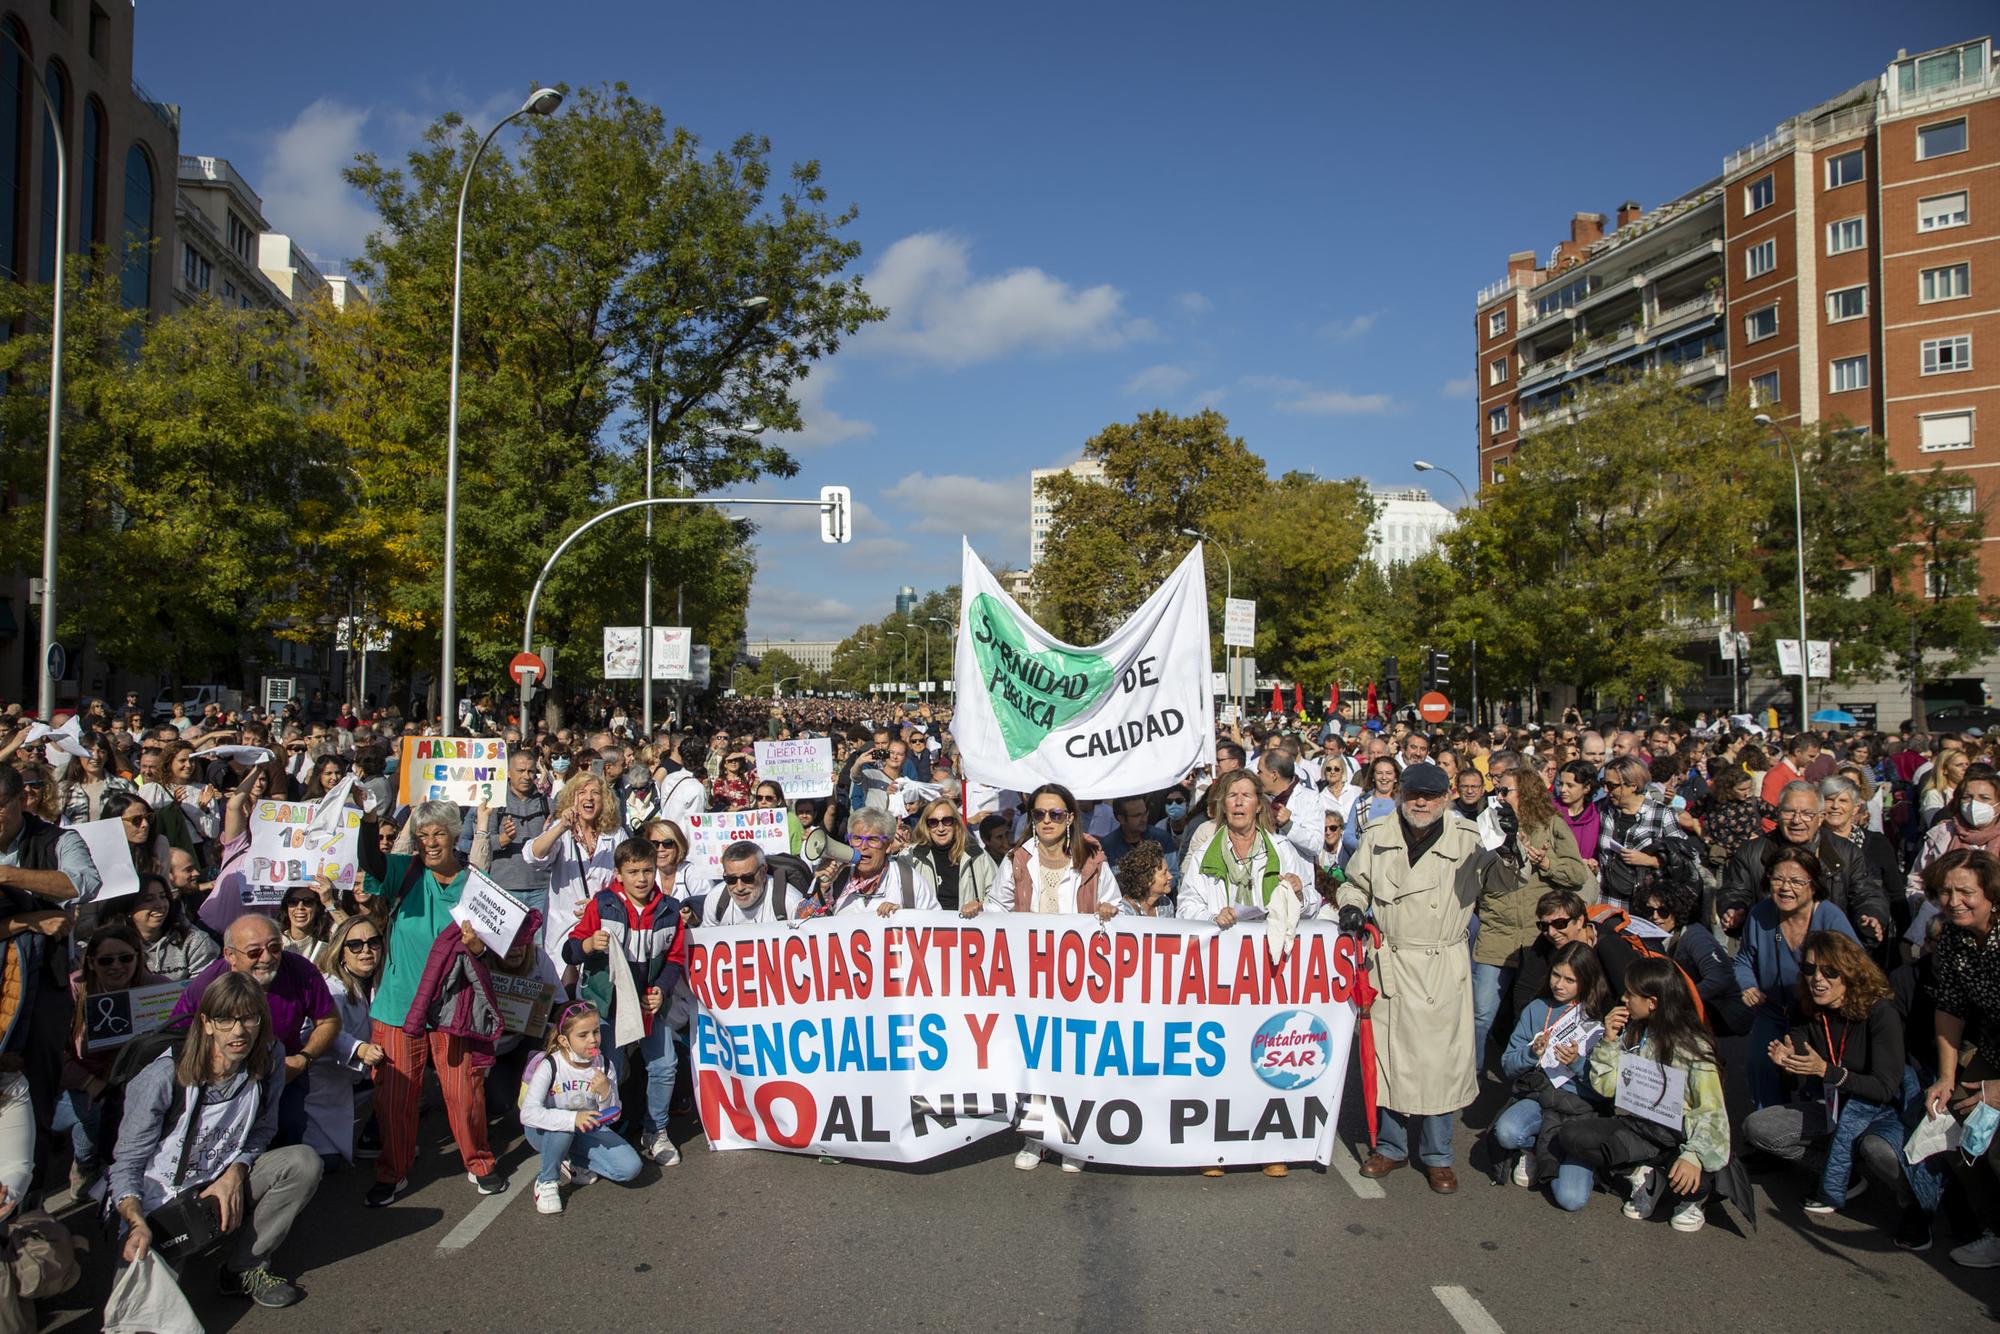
[1299, 544]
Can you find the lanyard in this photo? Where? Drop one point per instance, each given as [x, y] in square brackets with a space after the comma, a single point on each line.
[1554, 1015]
[1833, 1058]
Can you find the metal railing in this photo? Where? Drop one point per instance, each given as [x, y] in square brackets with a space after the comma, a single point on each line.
[1501, 288]
[1775, 142]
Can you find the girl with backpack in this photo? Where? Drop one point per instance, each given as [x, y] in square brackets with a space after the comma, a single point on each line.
[1659, 1067]
[1548, 1058]
[569, 1105]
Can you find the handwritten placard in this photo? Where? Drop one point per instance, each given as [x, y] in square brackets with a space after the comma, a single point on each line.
[114, 1018]
[494, 915]
[709, 833]
[288, 848]
[524, 1004]
[803, 768]
[466, 771]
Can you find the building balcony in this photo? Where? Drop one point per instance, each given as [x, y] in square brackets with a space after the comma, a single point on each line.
[1777, 141]
[1501, 288]
[1706, 306]
[1705, 367]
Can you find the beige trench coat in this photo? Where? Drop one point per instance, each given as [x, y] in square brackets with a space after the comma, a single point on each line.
[1423, 970]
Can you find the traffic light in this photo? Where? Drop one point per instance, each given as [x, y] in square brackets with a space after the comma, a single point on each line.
[1392, 688]
[1424, 672]
[1441, 672]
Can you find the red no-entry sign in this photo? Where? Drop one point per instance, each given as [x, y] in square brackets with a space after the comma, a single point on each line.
[525, 667]
[1433, 708]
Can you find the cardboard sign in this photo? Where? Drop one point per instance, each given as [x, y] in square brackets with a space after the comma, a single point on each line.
[111, 852]
[114, 1018]
[1651, 1090]
[287, 848]
[709, 833]
[494, 915]
[466, 771]
[524, 1003]
[803, 768]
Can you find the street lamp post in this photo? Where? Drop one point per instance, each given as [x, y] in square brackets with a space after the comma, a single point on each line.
[541, 102]
[1799, 535]
[903, 668]
[1471, 504]
[45, 690]
[949, 628]
[1228, 589]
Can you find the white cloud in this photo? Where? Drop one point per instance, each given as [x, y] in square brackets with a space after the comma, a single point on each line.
[1347, 330]
[1459, 388]
[799, 613]
[1334, 403]
[939, 312]
[1160, 380]
[304, 196]
[1194, 303]
[820, 424]
[974, 506]
[1211, 397]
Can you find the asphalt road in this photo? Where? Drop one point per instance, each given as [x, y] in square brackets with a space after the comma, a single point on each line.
[755, 1240]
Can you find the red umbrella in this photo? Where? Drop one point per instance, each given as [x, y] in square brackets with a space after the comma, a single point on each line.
[1364, 1000]
[1277, 699]
[1298, 698]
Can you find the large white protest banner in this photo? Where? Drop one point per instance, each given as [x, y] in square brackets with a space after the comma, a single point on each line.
[712, 831]
[287, 847]
[1148, 1043]
[1132, 714]
[803, 768]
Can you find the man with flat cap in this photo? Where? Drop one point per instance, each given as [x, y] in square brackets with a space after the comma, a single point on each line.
[1418, 873]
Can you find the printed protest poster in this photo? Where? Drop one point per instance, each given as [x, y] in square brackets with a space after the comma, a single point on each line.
[287, 848]
[672, 648]
[709, 833]
[114, 1018]
[1145, 1043]
[623, 647]
[1130, 714]
[466, 771]
[803, 768]
[494, 915]
[111, 853]
[524, 1004]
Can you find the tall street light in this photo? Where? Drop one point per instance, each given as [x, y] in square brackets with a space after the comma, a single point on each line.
[1799, 534]
[930, 621]
[45, 689]
[1228, 589]
[541, 102]
[1470, 503]
[903, 669]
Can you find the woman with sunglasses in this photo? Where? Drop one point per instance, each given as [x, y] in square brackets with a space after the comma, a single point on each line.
[1058, 869]
[305, 923]
[174, 951]
[1542, 854]
[877, 881]
[1673, 909]
[1847, 1056]
[149, 849]
[351, 964]
[113, 961]
[946, 857]
[1767, 962]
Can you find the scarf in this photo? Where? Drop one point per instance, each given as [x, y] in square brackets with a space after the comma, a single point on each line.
[1986, 840]
[1221, 862]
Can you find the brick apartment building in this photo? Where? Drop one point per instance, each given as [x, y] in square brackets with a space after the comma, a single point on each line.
[1843, 266]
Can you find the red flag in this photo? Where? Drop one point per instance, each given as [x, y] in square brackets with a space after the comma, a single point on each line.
[1298, 697]
[1277, 699]
[1373, 707]
[1333, 700]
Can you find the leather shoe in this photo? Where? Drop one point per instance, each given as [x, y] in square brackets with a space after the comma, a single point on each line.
[1377, 1166]
[1443, 1180]
[1279, 1169]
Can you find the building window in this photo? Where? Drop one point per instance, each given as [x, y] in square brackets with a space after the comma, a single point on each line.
[135, 285]
[1849, 373]
[1496, 371]
[1845, 235]
[1761, 258]
[195, 268]
[1941, 211]
[1496, 323]
[1947, 283]
[1958, 500]
[1848, 303]
[1938, 431]
[239, 237]
[100, 35]
[1845, 169]
[1496, 420]
[1940, 140]
[58, 93]
[1760, 193]
[1761, 324]
[1944, 356]
[1763, 389]
[91, 224]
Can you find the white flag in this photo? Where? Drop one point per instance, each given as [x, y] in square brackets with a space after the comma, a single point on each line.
[1132, 714]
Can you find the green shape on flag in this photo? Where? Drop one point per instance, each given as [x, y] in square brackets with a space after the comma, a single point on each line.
[1032, 694]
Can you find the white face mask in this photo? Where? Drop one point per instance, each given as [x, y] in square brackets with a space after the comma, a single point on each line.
[1980, 813]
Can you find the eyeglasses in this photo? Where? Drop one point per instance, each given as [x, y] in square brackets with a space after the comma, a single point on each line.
[747, 878]
[256, 952]
[1788, 882]
[246, 1023]
[115, 960]
[868, 841]
[942, 822]
[1821, 970]
[1554, 923]
[1056, 816]
[356, 944]
[1796, 815]
[1503, 791]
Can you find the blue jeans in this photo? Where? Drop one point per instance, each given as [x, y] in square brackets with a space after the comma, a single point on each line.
[1767, 1088]
[1489, 983]
[1518, 1124]
[1926, 1179]
[1572, 1187]
[1433, 1137]
[600, 1150]
[656, 1049]
[77, 1113]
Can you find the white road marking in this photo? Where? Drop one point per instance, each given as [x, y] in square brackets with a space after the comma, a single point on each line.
[488, 1209]
[1349, 1171]
[1466, 1310]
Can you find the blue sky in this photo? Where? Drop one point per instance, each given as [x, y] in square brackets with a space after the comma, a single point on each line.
[1079, 212]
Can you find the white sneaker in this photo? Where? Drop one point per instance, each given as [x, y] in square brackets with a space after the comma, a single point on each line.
[1523, 1169]
[1981, 1254]
[1689, 1216]
[1071, 1165]
[660, 1148]
[548, 1197]
[1027, 1160]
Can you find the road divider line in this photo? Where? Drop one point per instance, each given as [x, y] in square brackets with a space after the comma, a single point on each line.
[1349, 1171]
[488, 1209]
[1463, 1307]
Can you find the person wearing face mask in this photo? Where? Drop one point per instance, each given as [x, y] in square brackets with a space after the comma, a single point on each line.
[1971, 819]
[1177, 817]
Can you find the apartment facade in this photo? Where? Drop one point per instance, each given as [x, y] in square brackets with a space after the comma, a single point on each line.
[1041, 511]
[1408, 523]
[1842, 267]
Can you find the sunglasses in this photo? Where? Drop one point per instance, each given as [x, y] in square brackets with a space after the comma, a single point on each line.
[748, 878]
[1652, 912]
[256, 952]
[356, 944]
[1054, 817]
[115, 960]
[1554, 924]
[942, 822]
[300, 902]
[1821, 970]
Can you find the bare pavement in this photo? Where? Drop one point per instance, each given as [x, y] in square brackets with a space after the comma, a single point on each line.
[756, 1240]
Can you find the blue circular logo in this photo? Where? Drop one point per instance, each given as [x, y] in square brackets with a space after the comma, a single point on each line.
[1291, 1049]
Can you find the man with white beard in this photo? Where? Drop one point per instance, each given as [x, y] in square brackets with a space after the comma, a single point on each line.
[1419, 875]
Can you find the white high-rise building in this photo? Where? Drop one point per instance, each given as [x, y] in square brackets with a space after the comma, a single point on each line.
[1407, 524]
[1041, 512]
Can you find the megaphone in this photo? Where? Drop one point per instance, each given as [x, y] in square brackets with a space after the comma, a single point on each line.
[819, 846]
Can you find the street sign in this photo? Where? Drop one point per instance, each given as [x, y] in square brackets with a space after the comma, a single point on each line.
[1218, 683]
[927, 686]
[1433, 707]
[1239, 623]
[58, 662]
[525, 668]
[836, 514]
